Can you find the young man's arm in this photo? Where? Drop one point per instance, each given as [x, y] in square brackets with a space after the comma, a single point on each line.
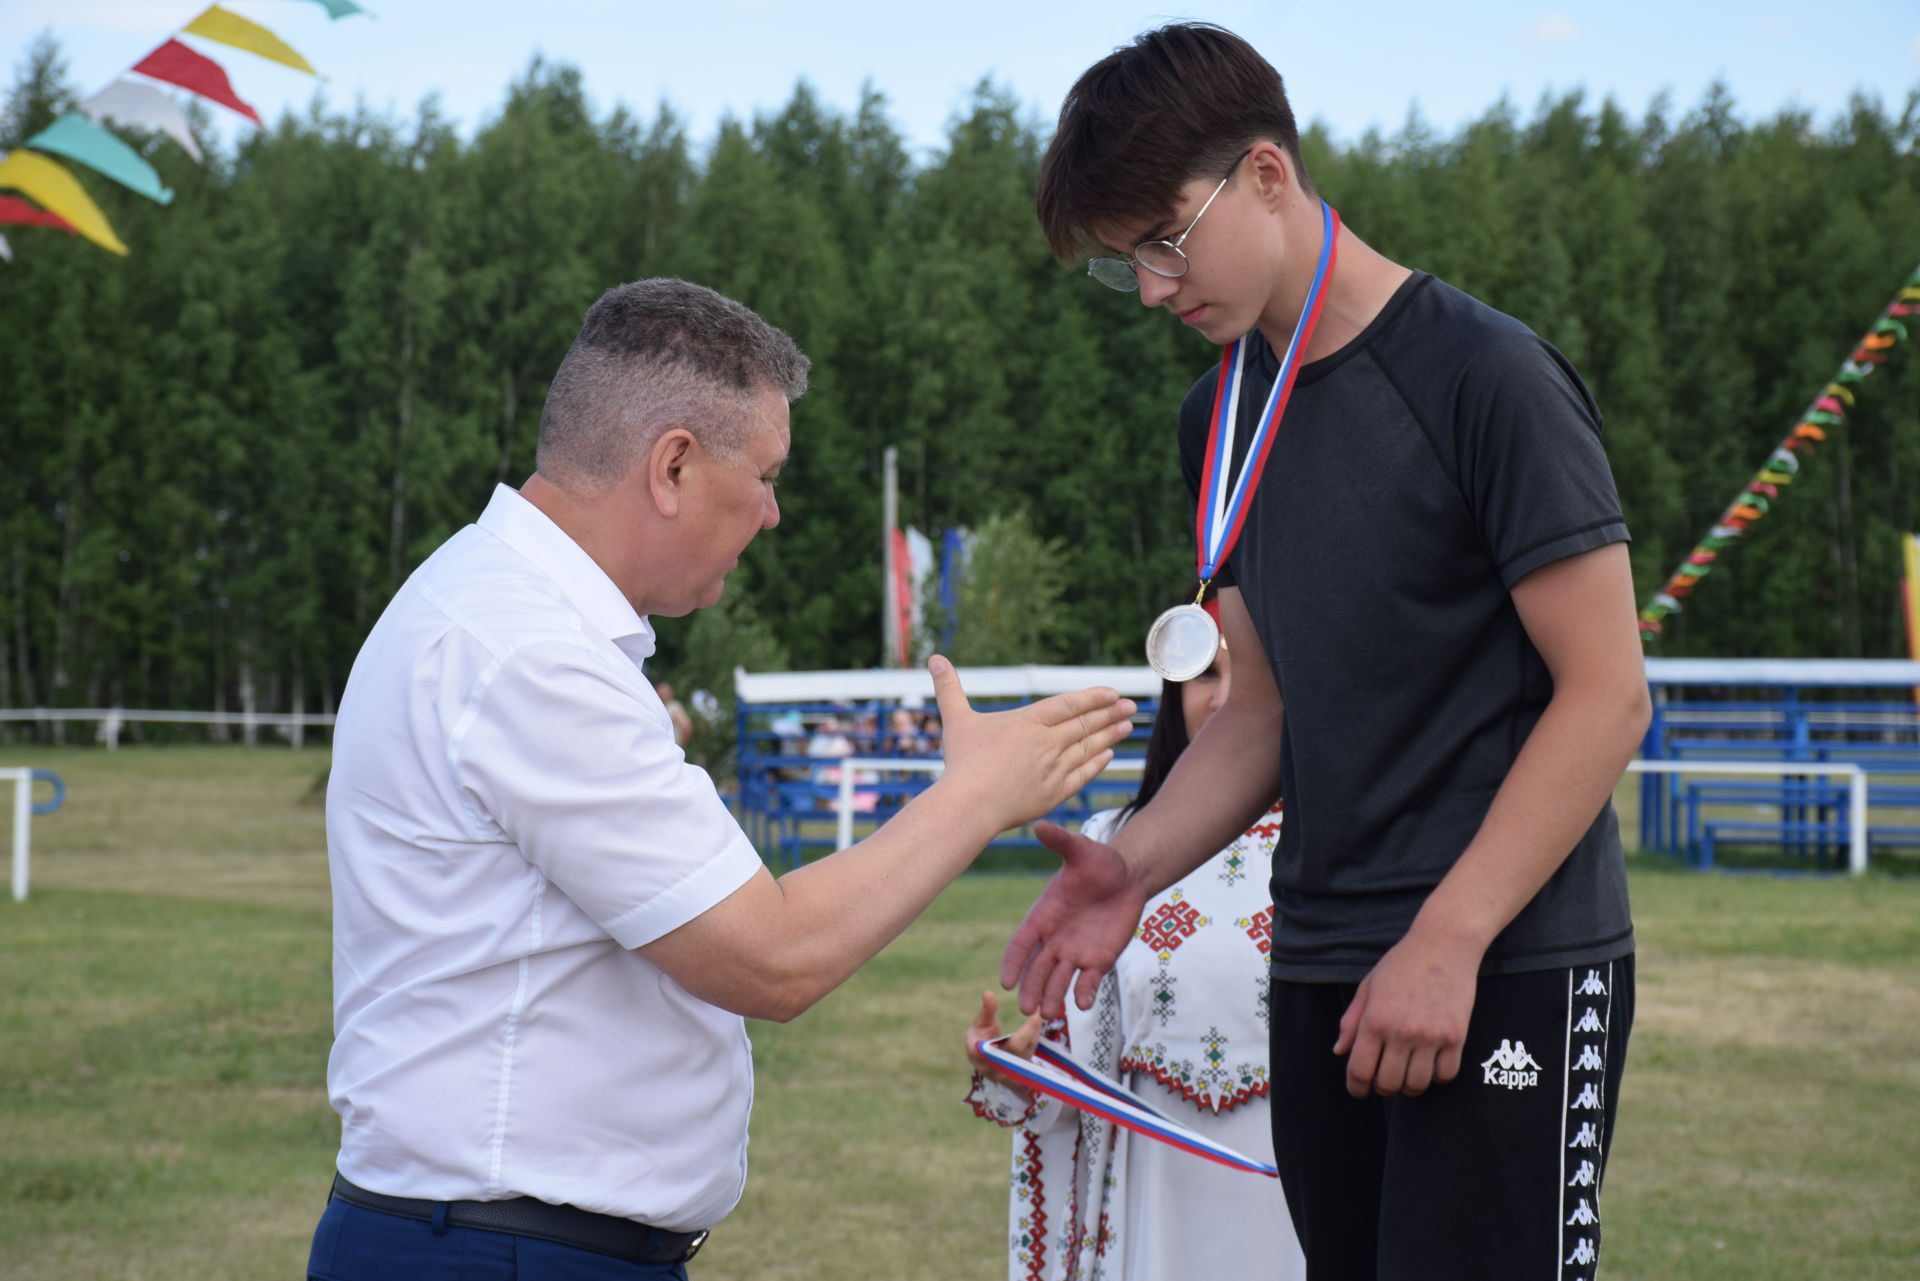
[1222, 783]
[1406, 1025]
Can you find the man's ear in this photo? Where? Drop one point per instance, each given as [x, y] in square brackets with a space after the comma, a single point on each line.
[1272, 171]
[667, 465]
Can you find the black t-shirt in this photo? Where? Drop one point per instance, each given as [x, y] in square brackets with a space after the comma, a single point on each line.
[1420, 471]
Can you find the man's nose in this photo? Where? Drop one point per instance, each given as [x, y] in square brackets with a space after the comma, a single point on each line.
[1154, 287]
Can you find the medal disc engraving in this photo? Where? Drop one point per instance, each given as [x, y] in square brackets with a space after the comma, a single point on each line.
[1182, 643]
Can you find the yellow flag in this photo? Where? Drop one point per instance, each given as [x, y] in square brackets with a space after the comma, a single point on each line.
[230, 28]
[55, 190]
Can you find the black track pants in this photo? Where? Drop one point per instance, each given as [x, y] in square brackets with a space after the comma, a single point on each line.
[1494, 1176]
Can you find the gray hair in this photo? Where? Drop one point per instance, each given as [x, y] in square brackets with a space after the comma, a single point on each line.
[653, 355]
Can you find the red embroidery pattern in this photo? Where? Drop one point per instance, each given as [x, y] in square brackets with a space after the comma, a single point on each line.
[1139, 1059]
[1270, 831]
[1260, 930]
[1033, 1239]
[1172, 925]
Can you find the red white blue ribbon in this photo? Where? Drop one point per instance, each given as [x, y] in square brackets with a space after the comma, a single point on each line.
[1056, 1074]
[1222, 509]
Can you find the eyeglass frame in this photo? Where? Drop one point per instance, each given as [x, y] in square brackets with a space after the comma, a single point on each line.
[1132, 261]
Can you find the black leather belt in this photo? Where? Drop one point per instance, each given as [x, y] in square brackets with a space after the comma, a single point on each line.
[527, 1216]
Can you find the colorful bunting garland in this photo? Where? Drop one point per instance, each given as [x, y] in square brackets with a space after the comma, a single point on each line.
[15, 211]
[1827, 412]
[79, 136]
[176, 64]
[55, 190]
[230, 28]
[137, 103]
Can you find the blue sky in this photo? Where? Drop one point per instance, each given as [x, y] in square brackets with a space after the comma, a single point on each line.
[1353, 65]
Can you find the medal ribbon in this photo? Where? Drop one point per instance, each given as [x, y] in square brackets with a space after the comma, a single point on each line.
[1222, 509]
[1056, 1074]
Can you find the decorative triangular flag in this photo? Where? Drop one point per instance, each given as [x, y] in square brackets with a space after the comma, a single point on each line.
[176, 64]
[230, 28]
[78, 138]
[6, 250]
[17, 212]
[132, 102]
[55, 189]
[338, 9]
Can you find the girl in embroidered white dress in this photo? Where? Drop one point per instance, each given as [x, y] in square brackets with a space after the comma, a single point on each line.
[1182, 1017]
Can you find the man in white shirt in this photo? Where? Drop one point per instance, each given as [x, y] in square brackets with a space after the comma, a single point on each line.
[547, 927]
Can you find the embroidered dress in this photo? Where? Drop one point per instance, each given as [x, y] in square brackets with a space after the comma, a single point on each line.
[1181, 1020]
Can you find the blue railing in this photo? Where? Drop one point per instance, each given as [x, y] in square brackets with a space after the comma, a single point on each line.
[1804, 816]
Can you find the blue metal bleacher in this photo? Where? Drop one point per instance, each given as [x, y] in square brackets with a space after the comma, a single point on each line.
[1811, 713]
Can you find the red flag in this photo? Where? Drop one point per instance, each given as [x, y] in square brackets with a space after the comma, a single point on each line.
[903, 596]
[15, 210]
[176, 64]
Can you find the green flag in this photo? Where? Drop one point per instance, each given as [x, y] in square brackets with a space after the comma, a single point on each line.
[81, 140]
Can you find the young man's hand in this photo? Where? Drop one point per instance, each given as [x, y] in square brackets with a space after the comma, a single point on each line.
[1081, 922]
[1405, 1027]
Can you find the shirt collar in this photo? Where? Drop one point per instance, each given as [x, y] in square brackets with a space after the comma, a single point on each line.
[531, 532]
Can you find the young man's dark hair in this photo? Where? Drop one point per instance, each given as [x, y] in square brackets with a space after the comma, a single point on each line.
[1118, 156]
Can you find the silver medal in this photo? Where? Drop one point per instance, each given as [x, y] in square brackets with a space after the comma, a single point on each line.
[1182, 643]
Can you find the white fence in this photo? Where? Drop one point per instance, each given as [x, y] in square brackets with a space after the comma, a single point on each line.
[23, 779]
[1856, 790]
[112, 720]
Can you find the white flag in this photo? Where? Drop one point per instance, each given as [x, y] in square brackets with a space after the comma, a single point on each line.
[131, 102]
[6, 250]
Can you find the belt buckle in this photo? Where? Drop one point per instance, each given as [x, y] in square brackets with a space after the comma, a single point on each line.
[693, 1247]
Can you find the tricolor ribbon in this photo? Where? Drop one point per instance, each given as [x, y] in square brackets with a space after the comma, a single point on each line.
[1222, 509]
[1056, 1074]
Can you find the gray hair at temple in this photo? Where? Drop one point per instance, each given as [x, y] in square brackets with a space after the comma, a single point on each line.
[653, 355]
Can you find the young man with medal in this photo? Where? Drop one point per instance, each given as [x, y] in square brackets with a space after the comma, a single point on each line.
[1403, 498]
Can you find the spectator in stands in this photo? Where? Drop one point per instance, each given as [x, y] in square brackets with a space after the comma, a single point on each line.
[1181, 1021]
[546, 925]
[903, 733]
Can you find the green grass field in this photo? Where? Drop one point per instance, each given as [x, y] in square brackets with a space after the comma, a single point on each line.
[164, 1028]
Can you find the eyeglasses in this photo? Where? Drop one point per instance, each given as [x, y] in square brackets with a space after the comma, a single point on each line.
[1161, 257]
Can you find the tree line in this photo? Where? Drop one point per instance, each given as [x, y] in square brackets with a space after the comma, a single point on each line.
[225, 452]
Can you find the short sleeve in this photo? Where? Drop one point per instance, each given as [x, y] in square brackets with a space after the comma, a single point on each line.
[582, 774]
[1529, 458]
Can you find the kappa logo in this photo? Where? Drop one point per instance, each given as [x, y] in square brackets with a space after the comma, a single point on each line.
[1589, 1061]
[1589, 1098]
[1588, 1137]
[1593, 986]
[1590, 1021]
[1582, 1216]
[1511, 1066]
[1584, 1176]
[1583, 1253]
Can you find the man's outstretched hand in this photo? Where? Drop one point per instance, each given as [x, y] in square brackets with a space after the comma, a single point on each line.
[1081, 922]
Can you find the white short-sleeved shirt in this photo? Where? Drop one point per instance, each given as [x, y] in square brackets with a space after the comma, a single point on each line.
[507, 818]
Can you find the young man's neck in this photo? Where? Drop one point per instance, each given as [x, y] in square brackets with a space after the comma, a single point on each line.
[1363, 281]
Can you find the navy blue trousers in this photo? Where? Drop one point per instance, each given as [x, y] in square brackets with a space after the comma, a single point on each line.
[357, 1244]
